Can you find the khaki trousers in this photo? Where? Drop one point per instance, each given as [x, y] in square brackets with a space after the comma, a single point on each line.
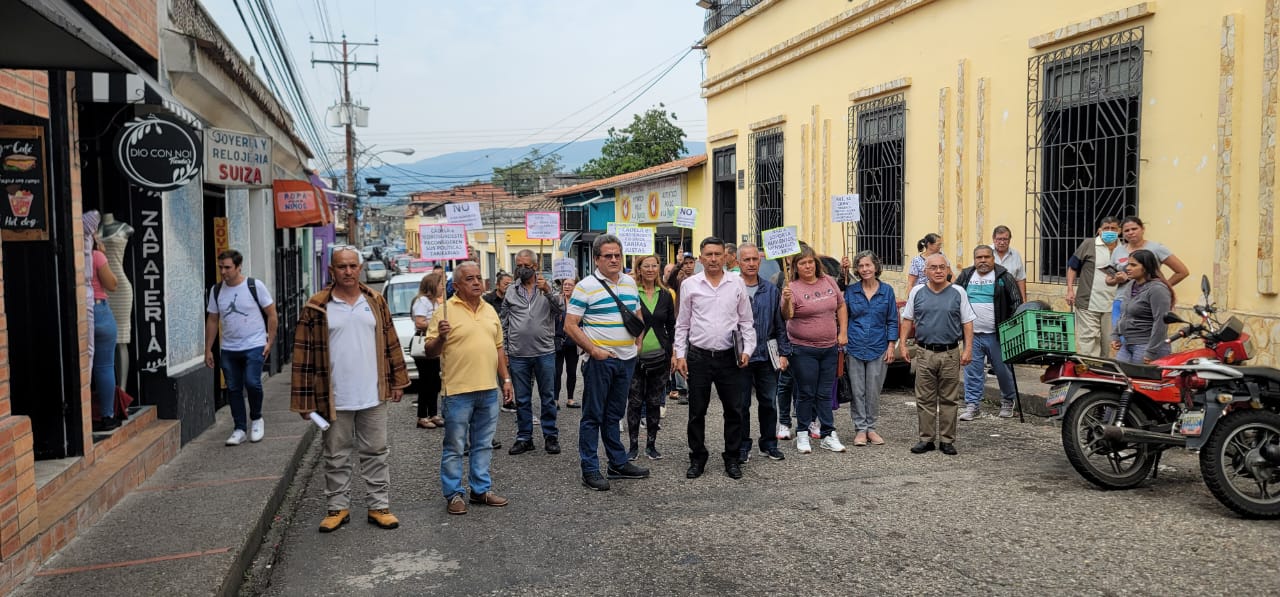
[365, 431]
[1093, 332]
[938, 393]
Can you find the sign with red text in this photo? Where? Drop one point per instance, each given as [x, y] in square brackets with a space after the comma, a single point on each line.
[298, 203]
[234, 159]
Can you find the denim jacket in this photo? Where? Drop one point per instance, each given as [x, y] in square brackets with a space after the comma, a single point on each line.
[872, 324]
[767, 312]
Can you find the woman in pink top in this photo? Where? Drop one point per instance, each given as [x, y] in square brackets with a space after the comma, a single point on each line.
[817, 324]
[103, 380]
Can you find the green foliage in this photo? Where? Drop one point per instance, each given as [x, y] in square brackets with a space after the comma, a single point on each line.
[522, 178]
[652, 138]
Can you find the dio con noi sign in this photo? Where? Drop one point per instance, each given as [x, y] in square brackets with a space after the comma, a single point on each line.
[158, 152]
[235, 159]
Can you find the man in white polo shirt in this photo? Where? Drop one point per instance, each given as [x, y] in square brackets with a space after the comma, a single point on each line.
[347, 363]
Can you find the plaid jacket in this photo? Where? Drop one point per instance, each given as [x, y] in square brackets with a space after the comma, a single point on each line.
[311, 354]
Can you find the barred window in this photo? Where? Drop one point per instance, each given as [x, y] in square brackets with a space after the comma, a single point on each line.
[766, 188]
[877, 133]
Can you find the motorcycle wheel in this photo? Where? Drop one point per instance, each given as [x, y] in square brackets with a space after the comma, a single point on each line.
[1233, 470]
[1099, 461]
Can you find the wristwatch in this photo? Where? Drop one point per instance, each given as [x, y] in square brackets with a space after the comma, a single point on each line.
[506, 380]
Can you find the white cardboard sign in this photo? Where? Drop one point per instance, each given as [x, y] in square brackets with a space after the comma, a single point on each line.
[542, 225]
[780, 242]
[686, 217]
[467, 214]
[636, 240]
[846, 208]
[442, 242]
[563, 269]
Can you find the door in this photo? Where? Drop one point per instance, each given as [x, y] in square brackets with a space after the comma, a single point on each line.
[724, 195]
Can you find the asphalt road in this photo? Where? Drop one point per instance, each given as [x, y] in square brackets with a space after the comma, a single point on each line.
[1008, 516]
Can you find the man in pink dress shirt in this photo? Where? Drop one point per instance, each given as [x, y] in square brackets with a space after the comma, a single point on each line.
[715, 336]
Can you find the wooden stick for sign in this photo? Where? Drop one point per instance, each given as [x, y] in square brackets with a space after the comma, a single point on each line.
[848, 275]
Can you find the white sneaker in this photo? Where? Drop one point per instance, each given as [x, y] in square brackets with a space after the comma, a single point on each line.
[969, 413]
[257, 428]
[832, 442]
[662, 412]
[802, 445]
[1006, 410]
[237, 438]
[784, 432]
[815, 430]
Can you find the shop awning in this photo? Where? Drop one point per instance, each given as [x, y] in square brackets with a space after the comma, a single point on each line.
[566, 241]
[51, 35]
[131, 88]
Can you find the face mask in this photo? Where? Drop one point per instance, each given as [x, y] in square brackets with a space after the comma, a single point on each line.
[524, 274]
[1109, 236]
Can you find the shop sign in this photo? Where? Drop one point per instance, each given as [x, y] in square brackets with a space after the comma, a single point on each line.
[158, 152]
[650, 202]
[234, 159]
[24, 176]
[298, 204]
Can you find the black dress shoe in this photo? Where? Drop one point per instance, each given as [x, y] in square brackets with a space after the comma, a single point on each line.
[552, 445]
[595, 481]
[695, 470]
[520, 447]
[947, 448]
[733, 469]
[627, 471]
[922, 447]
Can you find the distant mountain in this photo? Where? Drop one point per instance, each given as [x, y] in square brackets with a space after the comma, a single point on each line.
[461, 167]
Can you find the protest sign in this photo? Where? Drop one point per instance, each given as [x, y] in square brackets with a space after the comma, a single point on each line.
[467, 214]
[780, 242]
[563, 269]
[442, 241]
[636, 240]
[542, 225]
[845, 208]
[686, 217]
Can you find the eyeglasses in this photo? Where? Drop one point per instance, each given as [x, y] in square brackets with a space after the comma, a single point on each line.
[611, 256]
[937, 268]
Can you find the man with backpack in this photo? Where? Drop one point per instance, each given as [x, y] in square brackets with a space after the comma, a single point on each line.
[247, 314]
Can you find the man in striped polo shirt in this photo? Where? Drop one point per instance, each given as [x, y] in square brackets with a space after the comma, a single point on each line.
[594, 322]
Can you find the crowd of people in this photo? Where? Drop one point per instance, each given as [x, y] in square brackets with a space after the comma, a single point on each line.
[644, 335]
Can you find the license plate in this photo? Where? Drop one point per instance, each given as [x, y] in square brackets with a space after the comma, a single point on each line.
[1192, 423]
[1057, 396]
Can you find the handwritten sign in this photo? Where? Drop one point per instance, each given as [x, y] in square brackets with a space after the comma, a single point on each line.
[467, 214]
[636, 240]
[780, 242]
[846, 208]
[686, 217]
[564, 269]
[442, 241]
[23, 176]
[542, 225]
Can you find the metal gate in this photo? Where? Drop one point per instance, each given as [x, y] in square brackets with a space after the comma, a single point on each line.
[290, 296]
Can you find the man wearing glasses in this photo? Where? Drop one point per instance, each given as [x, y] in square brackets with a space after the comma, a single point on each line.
[942, 317]
[594, 321]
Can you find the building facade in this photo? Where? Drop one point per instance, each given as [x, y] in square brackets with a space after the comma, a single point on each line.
[955, 116]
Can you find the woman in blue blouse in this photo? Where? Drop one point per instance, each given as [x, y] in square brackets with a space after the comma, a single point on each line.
[873, 331]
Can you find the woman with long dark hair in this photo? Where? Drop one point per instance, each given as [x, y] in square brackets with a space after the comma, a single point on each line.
[654, 364]
[930, 245]
[1139, 336]
[817, 322]
[430, 295]
[1134, 232]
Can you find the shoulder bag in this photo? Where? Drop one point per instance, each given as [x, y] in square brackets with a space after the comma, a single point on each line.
[635, 326]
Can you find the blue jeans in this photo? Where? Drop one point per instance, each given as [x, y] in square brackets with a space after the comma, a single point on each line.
[472, 415]
[104, 359]
[605, 385]
[987, 346]
[814, 375]
[524, 371]
[763, 378]
[785, 397]
[1134, 353]
[243, 369]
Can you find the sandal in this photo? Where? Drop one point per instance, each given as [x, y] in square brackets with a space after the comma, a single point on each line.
[426, 423]
[875, 438]
[571, 404]
[860, 439]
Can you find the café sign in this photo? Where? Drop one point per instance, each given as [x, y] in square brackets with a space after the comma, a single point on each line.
[158, 152]
[234, 159]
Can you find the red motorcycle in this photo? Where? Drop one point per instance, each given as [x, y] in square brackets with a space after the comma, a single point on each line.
[1118, 418]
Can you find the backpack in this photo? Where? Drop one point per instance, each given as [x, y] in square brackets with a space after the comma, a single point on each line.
[253, 292]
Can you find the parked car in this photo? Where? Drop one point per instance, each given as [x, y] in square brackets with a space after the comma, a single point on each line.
[374, 271]
[402, 264]
[399, 292]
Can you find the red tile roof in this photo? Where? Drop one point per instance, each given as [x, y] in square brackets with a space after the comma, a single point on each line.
[483, 191]
[619, 180]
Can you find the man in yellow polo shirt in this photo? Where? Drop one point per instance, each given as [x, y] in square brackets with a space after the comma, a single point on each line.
[467, 336]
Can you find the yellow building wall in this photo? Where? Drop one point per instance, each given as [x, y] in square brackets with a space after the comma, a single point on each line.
[944, 50]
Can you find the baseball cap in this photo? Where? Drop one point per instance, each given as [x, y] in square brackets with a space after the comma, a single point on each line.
[687, 255]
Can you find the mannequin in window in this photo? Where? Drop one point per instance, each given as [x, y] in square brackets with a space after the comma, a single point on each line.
[114, 236]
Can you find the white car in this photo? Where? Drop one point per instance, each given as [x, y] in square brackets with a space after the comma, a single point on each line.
[399, 292]
[374, 271]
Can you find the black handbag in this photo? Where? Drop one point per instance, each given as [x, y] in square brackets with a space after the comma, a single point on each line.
[649, 364]
[635, 326]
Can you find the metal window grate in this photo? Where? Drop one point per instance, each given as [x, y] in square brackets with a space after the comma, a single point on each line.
[766, 180]
[877, 134]
[1084, 116]
[723, 11]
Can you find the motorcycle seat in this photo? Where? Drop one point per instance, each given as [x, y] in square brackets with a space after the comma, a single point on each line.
[1140, 371]
[1267, 373]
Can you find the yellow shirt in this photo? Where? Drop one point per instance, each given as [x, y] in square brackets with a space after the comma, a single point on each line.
[469, 362]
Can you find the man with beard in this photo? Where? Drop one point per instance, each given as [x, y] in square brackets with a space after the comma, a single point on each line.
[529, 312]
[993, 293]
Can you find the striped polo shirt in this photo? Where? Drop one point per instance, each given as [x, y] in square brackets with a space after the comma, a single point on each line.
[601, 320]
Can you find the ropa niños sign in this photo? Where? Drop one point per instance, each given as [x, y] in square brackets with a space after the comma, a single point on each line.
[158, 152]
[236, 159]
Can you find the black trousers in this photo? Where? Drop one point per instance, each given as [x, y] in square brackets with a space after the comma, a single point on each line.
[428, 387]
[647, 391]
[567, 363]
[720, 368]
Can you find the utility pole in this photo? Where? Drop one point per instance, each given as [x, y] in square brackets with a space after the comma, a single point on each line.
[349, 117]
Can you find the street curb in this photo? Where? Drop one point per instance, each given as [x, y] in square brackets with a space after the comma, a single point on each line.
[257, 577]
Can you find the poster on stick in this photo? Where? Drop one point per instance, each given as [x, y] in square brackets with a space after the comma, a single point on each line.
[467, 214]
[442, 242]
[564, 269]
[686, 217]
[636, 240]
[542, 225]
[846, 208]
[780, 242]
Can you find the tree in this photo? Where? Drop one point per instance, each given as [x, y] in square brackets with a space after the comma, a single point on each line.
[652, 138]
[522, 178]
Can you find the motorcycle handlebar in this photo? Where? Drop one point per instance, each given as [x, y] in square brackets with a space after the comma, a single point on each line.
[1183, 333]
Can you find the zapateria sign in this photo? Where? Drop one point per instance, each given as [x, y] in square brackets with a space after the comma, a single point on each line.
[158, 152]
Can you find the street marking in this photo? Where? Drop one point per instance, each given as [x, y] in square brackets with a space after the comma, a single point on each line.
[92, 567]
[208, 483]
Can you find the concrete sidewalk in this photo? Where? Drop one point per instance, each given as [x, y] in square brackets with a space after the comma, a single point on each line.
[196, 524]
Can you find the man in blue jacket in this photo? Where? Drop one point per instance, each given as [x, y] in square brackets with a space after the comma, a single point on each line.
[760, 372]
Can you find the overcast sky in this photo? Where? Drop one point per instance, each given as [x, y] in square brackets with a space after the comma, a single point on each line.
[468, 74]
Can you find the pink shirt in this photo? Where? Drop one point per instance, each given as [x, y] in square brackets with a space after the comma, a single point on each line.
[709, 315]
[814, 321]
[99, 261]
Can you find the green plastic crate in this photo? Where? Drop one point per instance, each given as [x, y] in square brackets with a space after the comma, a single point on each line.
[1032, 333]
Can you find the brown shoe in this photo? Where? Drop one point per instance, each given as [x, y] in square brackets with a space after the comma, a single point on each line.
[334, 519]
[438, 420]
[384, 518]
[426, 423]
[875, 438]
[488, 498]
[860, 439]
[457, 505]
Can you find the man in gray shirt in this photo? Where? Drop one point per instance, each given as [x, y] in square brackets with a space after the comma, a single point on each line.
[529, 311]
[942, 317]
